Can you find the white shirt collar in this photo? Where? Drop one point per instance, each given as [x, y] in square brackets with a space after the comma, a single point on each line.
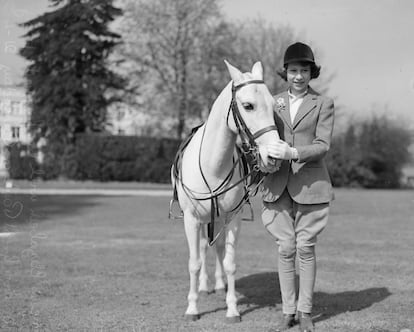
[294, 98]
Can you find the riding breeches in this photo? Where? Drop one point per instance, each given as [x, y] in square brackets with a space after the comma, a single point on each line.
[295, 228]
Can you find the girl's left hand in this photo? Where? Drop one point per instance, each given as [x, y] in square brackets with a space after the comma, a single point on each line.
[280, 150]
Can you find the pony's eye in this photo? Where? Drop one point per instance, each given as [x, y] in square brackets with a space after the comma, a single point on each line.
[248, 106]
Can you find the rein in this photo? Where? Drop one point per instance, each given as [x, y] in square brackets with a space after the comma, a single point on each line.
[248, 156]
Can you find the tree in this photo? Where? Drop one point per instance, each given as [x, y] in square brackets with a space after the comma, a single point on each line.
[178, 48]
[68, 80]
[259, 40]
[370, 155]
[164, 39]
[344, 161]
[384, 150]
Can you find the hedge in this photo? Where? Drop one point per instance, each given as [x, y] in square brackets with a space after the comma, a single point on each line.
[21, 164]
[370, 154]
[122, 158]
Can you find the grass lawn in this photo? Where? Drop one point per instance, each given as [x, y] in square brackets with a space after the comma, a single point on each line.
[69, 184]
[82, 263]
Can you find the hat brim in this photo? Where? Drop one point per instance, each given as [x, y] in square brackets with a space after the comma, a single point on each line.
[299, 60]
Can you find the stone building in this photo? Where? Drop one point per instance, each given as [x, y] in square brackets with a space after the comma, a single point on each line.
[14, 120]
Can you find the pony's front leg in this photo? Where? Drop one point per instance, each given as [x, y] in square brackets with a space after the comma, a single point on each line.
[192, 232]
[229, 263]
[203, 279]
[219, 246]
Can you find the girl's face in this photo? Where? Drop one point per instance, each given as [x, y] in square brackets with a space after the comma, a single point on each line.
[298, 77]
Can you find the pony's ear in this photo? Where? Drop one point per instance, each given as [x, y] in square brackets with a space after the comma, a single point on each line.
[235, 74]
[257, 70]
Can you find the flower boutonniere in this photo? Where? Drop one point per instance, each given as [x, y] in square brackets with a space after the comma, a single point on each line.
[280, 104]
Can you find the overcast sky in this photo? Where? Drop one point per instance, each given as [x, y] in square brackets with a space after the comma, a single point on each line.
[368, 45]
[13, 12]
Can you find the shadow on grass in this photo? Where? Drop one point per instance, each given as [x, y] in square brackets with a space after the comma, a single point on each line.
[18, 210]
[331, 304]
[262, 290]
[205, 313]
[259, 291]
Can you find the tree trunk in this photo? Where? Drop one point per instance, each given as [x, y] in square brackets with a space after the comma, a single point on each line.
[182, 95]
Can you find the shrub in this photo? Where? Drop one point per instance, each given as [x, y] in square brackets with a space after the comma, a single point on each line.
[21, 163]
[369, 155]
[123, 158]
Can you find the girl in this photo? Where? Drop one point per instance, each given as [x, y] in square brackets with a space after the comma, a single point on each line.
[296, 198]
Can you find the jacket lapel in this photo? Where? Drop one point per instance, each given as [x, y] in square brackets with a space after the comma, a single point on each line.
[309, 103]
[284, 112]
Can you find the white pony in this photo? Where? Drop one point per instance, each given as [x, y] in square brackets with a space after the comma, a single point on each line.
[211, 185]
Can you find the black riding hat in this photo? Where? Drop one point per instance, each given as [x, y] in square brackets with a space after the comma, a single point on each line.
[298, 52]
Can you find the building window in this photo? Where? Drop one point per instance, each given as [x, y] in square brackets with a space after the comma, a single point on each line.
[15, 132]
[15, 107]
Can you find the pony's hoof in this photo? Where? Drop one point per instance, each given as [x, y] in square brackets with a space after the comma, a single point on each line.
[220, 291]
[203, 293]
[233, 320]
[192, 318]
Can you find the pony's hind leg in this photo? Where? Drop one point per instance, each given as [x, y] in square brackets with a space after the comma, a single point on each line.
[192, 232]
[229, 264]
[203, 279]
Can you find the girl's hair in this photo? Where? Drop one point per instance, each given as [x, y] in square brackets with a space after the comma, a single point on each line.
[315, 70]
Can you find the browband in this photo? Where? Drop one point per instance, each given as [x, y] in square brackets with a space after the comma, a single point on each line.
[237, 87]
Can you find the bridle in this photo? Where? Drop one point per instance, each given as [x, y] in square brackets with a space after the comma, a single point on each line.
[244, 132]
[248, 147]
[248, 158]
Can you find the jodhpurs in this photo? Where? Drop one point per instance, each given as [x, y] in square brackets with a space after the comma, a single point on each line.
[295, 228]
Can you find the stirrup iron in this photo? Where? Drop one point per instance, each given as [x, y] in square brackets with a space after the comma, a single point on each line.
[175, 212]
[250, 216]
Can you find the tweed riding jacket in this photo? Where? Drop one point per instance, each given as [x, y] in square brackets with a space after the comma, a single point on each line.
[306, 179]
